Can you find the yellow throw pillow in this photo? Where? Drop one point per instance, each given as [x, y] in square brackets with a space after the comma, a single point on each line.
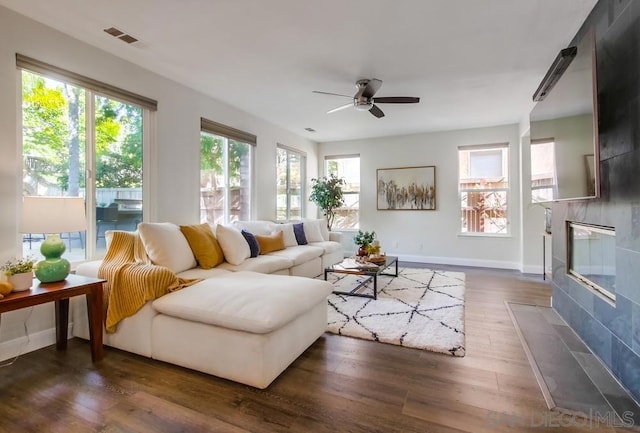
[271, 243]
[204, 245]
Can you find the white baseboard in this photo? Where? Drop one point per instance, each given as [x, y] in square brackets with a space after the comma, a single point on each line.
[532, 269]
[479, 263]
[37, 340]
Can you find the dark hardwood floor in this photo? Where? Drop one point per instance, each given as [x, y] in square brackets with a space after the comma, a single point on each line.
[339, 384]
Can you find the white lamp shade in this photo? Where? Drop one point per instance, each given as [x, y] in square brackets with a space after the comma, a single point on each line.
[53, 215]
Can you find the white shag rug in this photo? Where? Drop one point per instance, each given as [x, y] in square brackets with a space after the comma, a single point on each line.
[421, 308]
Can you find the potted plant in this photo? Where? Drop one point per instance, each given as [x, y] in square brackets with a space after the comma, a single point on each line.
[19, 273]
[327, 194]
[363, 240]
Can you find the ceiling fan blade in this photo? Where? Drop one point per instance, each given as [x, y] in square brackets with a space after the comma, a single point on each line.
[371, 88]
[397, 100]
[376, 111]
[342, 107]
[329, 93]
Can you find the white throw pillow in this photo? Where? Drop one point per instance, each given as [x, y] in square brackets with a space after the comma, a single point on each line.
[256, 227]
[288, 234]
[312, 231]
[166, 246]
[235, 248]
[322, 225]
[324, 230]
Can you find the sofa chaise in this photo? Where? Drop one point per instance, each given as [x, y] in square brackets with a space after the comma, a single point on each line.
[245, 321]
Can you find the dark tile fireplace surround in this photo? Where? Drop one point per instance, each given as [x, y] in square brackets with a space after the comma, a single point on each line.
[612, 332]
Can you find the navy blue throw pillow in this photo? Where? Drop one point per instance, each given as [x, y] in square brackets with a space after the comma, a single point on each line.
[254, 246]
[298, 230]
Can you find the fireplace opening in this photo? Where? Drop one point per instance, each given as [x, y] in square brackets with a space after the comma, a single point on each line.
[591, 251]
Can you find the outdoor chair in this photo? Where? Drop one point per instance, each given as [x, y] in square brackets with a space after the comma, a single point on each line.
[106, 216]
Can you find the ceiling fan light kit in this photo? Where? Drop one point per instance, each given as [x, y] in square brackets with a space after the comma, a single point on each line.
[363, 105]
[363, 99]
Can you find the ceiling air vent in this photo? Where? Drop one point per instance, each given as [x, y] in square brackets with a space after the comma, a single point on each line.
[117, 33]
[114, 32]
[128, 39]
[310, 129]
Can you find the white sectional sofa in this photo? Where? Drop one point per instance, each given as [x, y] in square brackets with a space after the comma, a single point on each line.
[323, 249]
[245, 322]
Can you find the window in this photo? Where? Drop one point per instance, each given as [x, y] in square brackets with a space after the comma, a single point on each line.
[290, 166]
[225, 173]
[347, 167]
[71, 126]
[543, 172]
[484, 188]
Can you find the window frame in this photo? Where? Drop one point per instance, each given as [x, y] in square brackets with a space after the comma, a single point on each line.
[303, 180]
[328, 158]
[92, 89]
[228, 133]
[507, 190]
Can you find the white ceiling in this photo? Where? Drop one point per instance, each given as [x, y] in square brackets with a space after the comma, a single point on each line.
[472, 62]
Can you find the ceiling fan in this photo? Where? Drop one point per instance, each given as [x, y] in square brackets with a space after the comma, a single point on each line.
[363, 99]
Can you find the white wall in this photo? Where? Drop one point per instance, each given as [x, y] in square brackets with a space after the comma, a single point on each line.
[532, 216]
[433, 236]
[175, 166]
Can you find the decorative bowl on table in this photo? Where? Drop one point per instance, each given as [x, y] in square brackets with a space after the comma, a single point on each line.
[378, 259]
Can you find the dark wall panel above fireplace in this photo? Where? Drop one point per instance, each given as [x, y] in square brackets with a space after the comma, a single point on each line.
[611, 332]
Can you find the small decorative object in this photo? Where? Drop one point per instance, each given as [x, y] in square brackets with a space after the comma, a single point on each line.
[378, 259]
[5, 288]
[373, 253]
[19, 273]
[53, 215]
[407, 188]
[327, 194]
[363, 240]
[373, 248]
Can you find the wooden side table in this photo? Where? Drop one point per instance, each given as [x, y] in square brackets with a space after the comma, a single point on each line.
[60, 292]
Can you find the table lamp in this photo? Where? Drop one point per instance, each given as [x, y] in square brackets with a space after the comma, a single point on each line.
[52, 216]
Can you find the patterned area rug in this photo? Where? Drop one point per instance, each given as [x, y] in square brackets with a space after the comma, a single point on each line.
[420, 308]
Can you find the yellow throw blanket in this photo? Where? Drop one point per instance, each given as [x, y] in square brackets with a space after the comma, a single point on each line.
[132, 279]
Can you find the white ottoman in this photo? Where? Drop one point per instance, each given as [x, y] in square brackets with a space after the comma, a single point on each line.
[242, 326]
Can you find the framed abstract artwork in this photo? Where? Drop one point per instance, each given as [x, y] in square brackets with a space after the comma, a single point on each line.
[406, 188]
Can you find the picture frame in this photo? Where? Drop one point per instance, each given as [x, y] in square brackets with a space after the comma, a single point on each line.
[406, 188]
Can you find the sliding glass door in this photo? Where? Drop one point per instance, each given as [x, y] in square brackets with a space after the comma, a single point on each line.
[77, 143]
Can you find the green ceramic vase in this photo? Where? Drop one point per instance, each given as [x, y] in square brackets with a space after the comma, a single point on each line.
[54, 267]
